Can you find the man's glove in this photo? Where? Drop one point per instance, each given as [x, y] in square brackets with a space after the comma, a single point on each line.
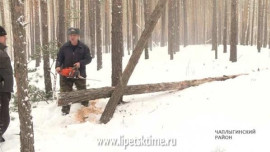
[2, 82]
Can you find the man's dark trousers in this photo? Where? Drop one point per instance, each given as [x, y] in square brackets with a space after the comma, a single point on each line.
[4, 111]
[66, 85]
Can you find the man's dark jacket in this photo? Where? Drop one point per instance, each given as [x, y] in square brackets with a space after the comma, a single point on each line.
[6, 72]
[68, 55]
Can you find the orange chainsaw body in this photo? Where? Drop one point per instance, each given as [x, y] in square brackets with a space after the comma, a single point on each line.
[69, 72]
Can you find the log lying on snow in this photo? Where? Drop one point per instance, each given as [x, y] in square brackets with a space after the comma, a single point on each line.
[106, 92]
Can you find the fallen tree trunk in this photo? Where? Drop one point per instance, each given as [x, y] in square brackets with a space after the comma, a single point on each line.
[106, 92]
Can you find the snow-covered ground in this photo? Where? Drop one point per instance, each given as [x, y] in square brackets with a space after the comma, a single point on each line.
[189, 116]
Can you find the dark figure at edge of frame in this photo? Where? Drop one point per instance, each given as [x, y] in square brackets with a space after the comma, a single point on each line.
[6, 84]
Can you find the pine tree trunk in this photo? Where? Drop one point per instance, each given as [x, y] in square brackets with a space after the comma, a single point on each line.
[259, 30]
[171, 28]
[269, 40]
[107, 27]
[20, 65]
[46, 53]
[185, 23]
[82, 20]
[146, 17]
[56, 14]
[117, 42]
[177, 26]
[52, 22]
[128, 26]
[31, 27]
[204, 22]
[134, 24]
[92, 24]
[193, 21]
[225, 28]
[2, 13]
[70, 18]
[234, 30]
[98, 35]
[61, 23]
[253, 21]
[121, 85]
[248, 24]
[37, 33]
[265, 24]
[150, 42]
[214, 29]
[163, 27]
[244, 22]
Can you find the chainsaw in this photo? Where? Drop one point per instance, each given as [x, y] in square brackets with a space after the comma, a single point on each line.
[73, 73]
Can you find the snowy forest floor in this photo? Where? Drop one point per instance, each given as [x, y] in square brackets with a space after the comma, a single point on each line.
[191, 116]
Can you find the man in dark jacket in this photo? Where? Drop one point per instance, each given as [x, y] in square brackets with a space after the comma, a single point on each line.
[6, 84]
[73, 54]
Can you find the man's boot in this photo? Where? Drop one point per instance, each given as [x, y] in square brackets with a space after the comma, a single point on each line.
[2, 139]
[65, 110]
[85, 103]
